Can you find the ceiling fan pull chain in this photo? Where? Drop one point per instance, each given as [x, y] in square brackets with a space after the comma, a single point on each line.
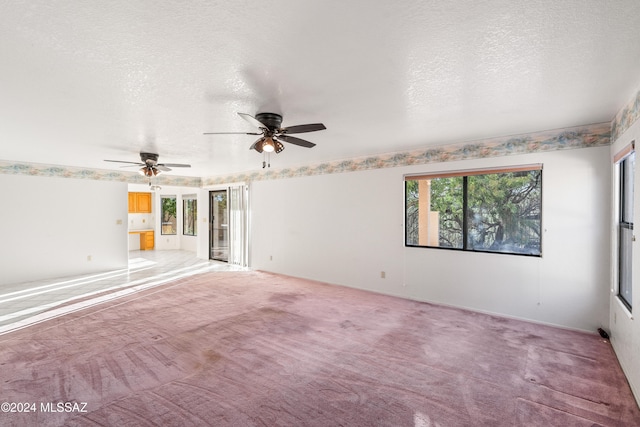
[266, 160]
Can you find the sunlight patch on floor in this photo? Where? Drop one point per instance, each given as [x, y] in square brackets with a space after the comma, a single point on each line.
[45, 300]
[423, 420]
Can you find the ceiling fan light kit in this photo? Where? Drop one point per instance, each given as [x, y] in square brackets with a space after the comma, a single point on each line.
[268, 145]
[147, 171]
[272, 134]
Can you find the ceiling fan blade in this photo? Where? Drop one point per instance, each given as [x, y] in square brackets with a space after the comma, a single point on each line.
[174, 165]
[255, 122]
[163, 168]
[131, 163]
[296, 141]
[232, 133]
[311, 127]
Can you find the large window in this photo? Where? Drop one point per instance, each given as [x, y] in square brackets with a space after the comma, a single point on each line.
[189, 215]
[626, 167]
[496, 210]
[168, 206]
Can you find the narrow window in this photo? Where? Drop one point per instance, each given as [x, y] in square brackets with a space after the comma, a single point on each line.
[497, 210]
[168, 206]
[626, 168]
[189, 215]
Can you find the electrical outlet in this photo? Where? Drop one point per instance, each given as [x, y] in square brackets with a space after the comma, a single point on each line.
[383, 274]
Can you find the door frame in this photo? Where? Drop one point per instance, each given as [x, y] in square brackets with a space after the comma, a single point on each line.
[238, 224]
[212, 217]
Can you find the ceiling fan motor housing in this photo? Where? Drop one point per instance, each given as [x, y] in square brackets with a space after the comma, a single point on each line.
[271, 120]
[145, 157]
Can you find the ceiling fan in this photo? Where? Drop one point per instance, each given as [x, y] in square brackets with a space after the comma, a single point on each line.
[150, 166]
[272, 135]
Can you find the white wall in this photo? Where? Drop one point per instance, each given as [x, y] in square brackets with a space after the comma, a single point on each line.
[50, 226]
[347, 228]
[625, 329]
[142, 221]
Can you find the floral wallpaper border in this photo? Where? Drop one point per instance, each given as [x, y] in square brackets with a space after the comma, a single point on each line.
[625, 117]
[562, 139]
[594, 135]
[37, 169]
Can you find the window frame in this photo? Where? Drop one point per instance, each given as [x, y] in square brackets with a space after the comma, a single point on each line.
[623, 222]
[175, 218]
[465, 208]
[191, 212]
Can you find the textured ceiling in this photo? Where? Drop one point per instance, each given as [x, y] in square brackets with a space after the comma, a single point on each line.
[85, 81]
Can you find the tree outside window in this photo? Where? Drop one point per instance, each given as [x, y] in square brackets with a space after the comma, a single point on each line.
[488, 212]
[189, 215]
[168, 208]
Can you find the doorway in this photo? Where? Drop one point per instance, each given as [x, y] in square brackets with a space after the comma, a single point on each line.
[219, 226]
[228, 225]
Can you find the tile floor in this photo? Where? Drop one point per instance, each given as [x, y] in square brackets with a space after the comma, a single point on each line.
[24, 304]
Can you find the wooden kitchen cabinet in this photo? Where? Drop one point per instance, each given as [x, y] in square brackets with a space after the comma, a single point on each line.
[132, 203]
[146, 240]
[139, 202]
[144, 202]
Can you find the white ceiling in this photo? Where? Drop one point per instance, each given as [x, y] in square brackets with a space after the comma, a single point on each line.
[83, 81]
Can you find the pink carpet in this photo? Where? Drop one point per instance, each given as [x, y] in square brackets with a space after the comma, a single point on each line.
[258, 349]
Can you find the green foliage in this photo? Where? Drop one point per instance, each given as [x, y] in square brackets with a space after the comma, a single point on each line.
[168, 208]
[168, 205]
[447, 200]
[190, 215]
[503, 211]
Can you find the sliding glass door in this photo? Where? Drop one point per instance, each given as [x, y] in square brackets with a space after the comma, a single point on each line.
[219, 225]
[228, 226]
